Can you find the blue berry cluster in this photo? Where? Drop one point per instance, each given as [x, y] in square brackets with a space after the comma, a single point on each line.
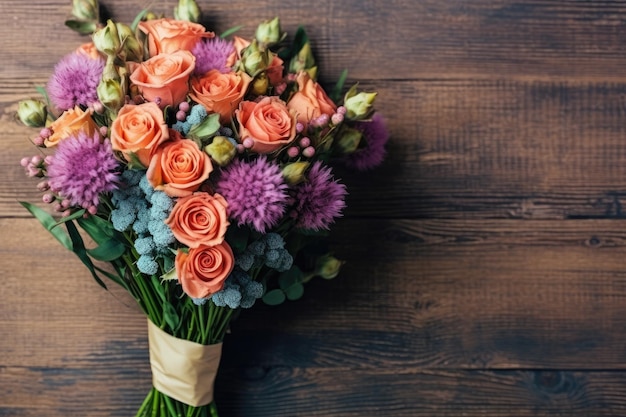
[239, 291]
[269, 250]
[196, 116]
[140, 208]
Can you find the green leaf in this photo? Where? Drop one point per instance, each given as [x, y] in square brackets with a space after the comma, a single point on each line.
[290, 277]
[237, 237]
[107, 251]
[205, 129]
[160, 289]
[97, 228]
[49, 223]
[80, 251]
[335, 94]
[274, 297]
[230, 31]
[171, 316]
[300, 39]
[84, 27]
[77, 214]
[295, 292]
[138, 18]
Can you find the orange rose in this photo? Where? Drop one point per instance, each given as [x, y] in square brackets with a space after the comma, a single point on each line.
[164, 78]
[311, 100]
[220, 93]
[138, 130]
[179, 167]
[70, 123]
[199, 219]
[269, 123]
[203, 270]
[169, 35]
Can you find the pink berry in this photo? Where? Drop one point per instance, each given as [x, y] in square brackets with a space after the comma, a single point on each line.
[25, 161]
[104, 130]
[248, 143]
[181, 115]
[305, 142]
[337, 118]
[36, 160]
[98, 107]
[93, 210]
[45, 133]
[43, 186]
[308, 152]
[280, 88]
[240, 148]
[341, 110]
[322, 120]
[293, 151]
[47, 198]
[184, 106]
[299, 127]
[57, 207]
[39, 141]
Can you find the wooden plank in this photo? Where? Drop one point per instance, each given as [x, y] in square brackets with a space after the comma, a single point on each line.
[431, 294]
[463, 149]
[429, 39]
[285, 391]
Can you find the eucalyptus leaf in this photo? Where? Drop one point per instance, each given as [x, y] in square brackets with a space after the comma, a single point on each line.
[238, 237]
[295, 292]
[138, 19]
[274, 297]
[290, 277]
[335, 94]
[205, 129]
[49, 223]
[300, 39]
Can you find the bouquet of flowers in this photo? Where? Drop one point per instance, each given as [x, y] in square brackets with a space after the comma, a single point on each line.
[195, 171]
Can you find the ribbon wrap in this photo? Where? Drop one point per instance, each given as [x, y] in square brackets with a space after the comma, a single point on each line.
[181, 369]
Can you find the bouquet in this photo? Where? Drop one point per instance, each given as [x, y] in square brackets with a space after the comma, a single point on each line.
[196, 172]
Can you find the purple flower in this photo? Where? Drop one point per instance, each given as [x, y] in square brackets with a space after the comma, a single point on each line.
[376, 135]
[75, 80]
[319, 199]
[255, 191]
[82, 168]
[212, 54]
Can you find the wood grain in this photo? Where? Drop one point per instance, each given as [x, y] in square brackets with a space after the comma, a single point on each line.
[485, 258]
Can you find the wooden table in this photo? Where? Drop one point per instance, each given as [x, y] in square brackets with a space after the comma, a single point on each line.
[486, 259]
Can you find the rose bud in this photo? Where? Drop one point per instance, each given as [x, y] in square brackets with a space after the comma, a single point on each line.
[133, 50]
[349, 140]
[221, 150]
[358, 105]
[107, 39]
[293, 173]
[304, 61]
[85, 9]
[187, 10]
[254, 59]
[32, 113]
[269, 32]
[110, 94]
[328, 266]
[260, 84]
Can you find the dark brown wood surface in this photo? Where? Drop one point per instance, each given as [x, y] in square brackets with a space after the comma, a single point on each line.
[486, 259]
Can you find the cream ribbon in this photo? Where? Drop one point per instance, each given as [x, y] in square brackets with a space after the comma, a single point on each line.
[182, 369]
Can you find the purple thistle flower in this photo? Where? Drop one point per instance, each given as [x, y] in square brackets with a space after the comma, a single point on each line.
[255, 191]
[75, 80]
[82, 168]
[376, 135]
[319, 199]
[212, 54]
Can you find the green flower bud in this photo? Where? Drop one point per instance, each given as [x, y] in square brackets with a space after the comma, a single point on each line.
[254, 59]
[358, 105]
[85, 9]
[110, 71]
[269, 32]
[303, 61]
[260, 84]
[349, 140]
[111, 94]
[293, 173]
[131, 47]
[328, 266]
[187, 10]
[32, 113]
[221, 150]
[107, 39]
